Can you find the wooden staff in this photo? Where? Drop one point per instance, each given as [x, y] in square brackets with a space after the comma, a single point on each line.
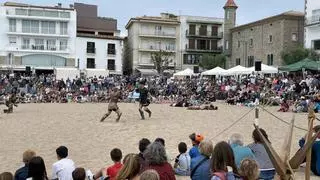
[311, 118]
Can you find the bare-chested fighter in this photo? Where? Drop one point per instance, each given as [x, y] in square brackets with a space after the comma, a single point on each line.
[114, 96]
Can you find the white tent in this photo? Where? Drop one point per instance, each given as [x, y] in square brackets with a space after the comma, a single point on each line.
[96, 72]
[215, 71]
[65, 73]
[186, 72]
[238, 70]
[266, 69]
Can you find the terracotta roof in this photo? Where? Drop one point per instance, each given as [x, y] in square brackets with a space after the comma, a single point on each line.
[230, 3]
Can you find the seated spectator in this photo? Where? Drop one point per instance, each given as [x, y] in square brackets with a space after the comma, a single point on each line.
[156, 157]
[284, 106]
[149, 175]
[223, 165]
[161, 141]
[315, 153]
[6, 176]
[130, 169]
[182, 161]
[79, 174]
[63, 168]
[200, 165]
[143, 143]
[112, 171]
[240, 152]
[22, 173]
[195, 139]
[37, 169]
[267, 170]
[249, 169]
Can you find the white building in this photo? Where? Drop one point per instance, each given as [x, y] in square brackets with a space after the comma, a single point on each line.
[312, 25]
[199, 36]
[37, 36]
[149, 34]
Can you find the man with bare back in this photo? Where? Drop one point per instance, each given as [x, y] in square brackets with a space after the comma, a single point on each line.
[113, 98]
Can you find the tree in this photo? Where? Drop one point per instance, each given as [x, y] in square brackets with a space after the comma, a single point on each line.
[209, 61]
[298, 53]
[161, 60]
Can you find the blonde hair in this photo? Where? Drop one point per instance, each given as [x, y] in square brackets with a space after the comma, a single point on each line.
[130, 168]
[249, 169]
[149, 175]
[206, 148]
[28, 155]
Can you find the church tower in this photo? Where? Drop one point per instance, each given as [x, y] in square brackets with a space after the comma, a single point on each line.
[230, 12]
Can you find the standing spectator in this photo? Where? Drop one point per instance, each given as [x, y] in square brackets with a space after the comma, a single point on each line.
[195, 139]
[6, 176]
[64, 167]
[143, 143]
[37, 169]
[182, 161]
[240, 152]
[249, 169]
[200, 165]
[223, 165]
[112, 171]
[156, 158]
[130, 168]
[79, 174]
[22, 173]
[267, 170]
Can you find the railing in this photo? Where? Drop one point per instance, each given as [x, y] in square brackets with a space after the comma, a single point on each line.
[207, 34]
[313, 20]
[43, 47]
[91, 50]
[38, 13]
[158, 48]
[217, 49]
[158, 33]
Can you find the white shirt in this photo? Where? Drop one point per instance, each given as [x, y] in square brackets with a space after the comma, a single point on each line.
[63, 169]
[184, 162]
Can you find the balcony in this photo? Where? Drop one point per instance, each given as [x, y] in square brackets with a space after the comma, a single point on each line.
[38, 34]
[208, 34]
[158, 34]
[91, 50]
[38, 48]
[19, 13]
[212, 50]
[153, 48]
[313, 20]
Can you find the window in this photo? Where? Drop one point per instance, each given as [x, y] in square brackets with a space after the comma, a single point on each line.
[191, 58]
[214, 44]
[251, 42]
[316, 44]
[25, 43]
[12, 25]
[51, 45]
[192, 44]
[250, 61]
[63, 28]
[192, 29]
[63, 45]
[26, 26]
[12, 40]
[35, 26]
[270, 38]
[111, 49]
[51, 13]
[238, 44]
[64, 14]
[294, 37]
[35, 12]
[91, 47]
[91, 63]
[111, 64]
[48, 27]
[227, 45]
[52, 27]
[270, 59]
[203, 30]
[39, 44]
[228, 14]
[158, 30]
[21, 12]
[214, 31]
[238, 60]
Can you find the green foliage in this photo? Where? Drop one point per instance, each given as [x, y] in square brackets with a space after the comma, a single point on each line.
[297, 54]
[161, 60]
[209, 61]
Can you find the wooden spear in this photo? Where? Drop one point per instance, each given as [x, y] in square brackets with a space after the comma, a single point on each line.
[311, 118]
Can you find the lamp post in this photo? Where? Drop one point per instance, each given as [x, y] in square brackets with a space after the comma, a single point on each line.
[174, 67]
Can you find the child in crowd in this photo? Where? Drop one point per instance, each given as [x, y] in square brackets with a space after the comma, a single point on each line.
[182, 161]
[150, 175]
[196, 139]
[249, 169]
[112, 171]
[284, 107]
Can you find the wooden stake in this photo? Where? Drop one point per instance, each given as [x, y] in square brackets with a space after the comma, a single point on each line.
[311, 118]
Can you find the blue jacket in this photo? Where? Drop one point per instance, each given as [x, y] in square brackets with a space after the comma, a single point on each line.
[315, 156]
[240, 153]
[203, 171]
[194, 152]
[22, 173]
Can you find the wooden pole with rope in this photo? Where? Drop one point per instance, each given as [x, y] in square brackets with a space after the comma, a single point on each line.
[311, 118]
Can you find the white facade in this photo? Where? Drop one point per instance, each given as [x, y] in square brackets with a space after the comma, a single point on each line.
[106, 54]
[147, 35]
[190, 55]
[312, 25]
[37, 36]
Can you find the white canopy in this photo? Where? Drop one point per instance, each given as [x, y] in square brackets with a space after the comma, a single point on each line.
[266, 69]
[186, 72]
[215, 71]
[97, 72]
[65, 73]
[238, 70]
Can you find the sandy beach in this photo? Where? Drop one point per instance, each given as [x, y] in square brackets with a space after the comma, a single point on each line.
[44, 127]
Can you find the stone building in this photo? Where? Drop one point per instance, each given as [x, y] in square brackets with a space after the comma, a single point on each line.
[265, 39]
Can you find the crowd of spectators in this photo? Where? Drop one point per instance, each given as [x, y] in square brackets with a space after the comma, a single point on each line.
[230, 160]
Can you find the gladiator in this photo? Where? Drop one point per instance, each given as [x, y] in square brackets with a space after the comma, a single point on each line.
[10, 102]
[144, 101]
[113, 98]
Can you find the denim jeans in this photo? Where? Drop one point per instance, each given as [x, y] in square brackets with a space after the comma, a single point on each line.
[267, 174]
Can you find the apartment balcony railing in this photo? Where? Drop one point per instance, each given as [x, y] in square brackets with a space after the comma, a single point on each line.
[195, 49]
[207, 34]
[19, 12]
[159, 34]
[157, 48]
[313, 20]
[91, 50]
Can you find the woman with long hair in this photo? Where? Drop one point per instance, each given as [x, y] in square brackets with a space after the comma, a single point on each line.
[37, 169]
[130, 168]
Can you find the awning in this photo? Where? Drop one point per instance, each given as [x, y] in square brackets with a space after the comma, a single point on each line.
[147, 72]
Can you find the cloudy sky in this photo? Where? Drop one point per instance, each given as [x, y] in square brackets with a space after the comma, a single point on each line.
[123, 10]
